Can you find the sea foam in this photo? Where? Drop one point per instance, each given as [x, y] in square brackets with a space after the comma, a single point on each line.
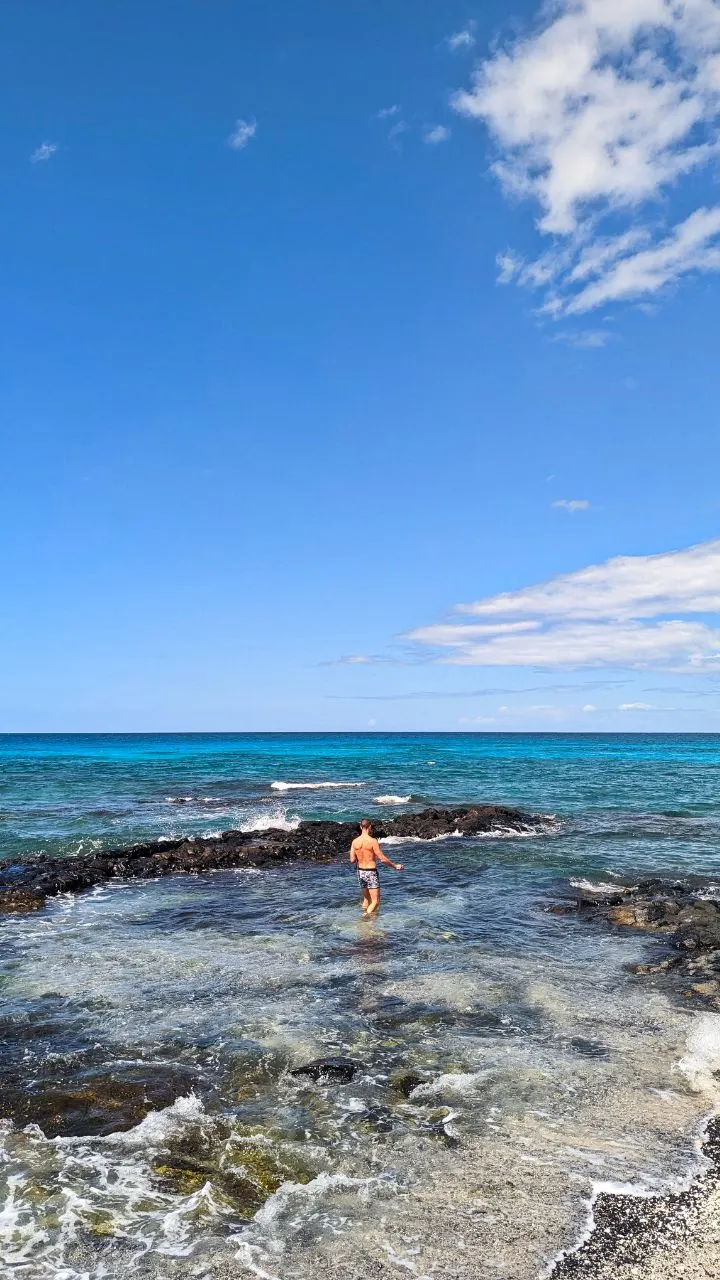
[702, 1058]
[276, 820]
[311, 786]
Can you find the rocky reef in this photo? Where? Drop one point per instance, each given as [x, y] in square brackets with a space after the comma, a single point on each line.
[684, 916]
[26, 884]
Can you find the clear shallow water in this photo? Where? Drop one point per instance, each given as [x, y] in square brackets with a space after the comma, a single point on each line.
[546, 1066]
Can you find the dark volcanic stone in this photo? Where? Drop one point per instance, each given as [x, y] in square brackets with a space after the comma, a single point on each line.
[96, 1104]
[21, 901]
[681, 914]
[339, 1070]
[24, 885]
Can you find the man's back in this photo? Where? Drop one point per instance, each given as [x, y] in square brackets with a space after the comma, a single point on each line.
[366, 850]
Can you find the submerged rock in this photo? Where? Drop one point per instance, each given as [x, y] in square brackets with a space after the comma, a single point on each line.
[21, 901]
[94, 1107]
[242, 1171]
[338, 1070]
[24, 885]
[406, 1081]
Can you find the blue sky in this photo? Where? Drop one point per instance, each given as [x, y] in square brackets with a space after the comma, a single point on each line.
[313, 314]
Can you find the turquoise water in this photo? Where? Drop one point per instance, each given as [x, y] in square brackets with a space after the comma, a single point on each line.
[644, 798]
[546, 1066]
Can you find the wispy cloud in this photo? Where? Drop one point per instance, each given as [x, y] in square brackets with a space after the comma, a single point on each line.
[693, 245]
[462, 694]
[242, 134]
[45, 151]
[396, 132]
[586, 339]
[436, 133]
[630, 612]
[637, 706]
[385, 113]
[572, 504]
[509, 266]
[376, 660]
[546, 711]
[600, 111]
[464, 39]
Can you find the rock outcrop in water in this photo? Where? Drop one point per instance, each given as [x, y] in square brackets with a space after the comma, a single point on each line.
[25, 885]
[682, 915]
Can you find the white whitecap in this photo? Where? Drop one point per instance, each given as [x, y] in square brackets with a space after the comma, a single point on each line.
[276, 820]
[446, 835]
[702, 1057]
[156, 1127]
[392, 799]
[311, 786]
[599, 886]
[292, 1196]
[456, 1082]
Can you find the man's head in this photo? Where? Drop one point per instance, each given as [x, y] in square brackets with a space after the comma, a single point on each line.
[366, 825]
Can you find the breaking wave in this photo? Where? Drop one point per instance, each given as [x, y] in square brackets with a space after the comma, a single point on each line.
[311, 786]
[274, 820]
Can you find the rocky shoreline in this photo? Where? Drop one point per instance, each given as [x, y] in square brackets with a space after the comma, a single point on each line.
[674, 1236]
[670, 1237]
[26, 885]
[683, 916]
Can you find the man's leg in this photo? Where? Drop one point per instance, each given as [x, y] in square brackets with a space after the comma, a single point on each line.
[365, 903]
[374, 902]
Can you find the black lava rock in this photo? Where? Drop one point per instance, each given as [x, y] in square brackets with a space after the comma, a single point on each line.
[25, 884]
[338, 1070]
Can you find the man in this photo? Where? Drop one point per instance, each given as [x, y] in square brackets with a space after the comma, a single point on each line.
[364, 852]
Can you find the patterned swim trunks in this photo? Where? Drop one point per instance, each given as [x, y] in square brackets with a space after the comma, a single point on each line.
[369, 879]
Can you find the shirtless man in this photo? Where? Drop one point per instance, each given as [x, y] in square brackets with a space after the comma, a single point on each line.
[364, 852]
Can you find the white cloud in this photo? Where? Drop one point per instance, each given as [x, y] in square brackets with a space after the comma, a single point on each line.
[464, 39]
[436, 133]
[624, 587]
[602, 109]
[537, 711]
[572, 504]
[386, 112]
[44, 152]
[636, 706]
[464, 694]
[689, 247]
[509, 266]
[397, 132]
[586, 339]
[242, 134]
[630, 612]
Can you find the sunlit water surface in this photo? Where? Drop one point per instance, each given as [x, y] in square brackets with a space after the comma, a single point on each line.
[545, 1066]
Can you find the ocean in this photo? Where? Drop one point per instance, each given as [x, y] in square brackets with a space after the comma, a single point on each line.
[509, 1061]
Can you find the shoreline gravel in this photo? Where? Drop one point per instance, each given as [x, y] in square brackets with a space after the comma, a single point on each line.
[667, 1237]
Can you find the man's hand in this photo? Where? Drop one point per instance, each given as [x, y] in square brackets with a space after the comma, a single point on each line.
[399, 866]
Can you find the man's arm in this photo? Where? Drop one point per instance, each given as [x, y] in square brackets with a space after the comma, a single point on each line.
[353, 855]
[398, 866]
